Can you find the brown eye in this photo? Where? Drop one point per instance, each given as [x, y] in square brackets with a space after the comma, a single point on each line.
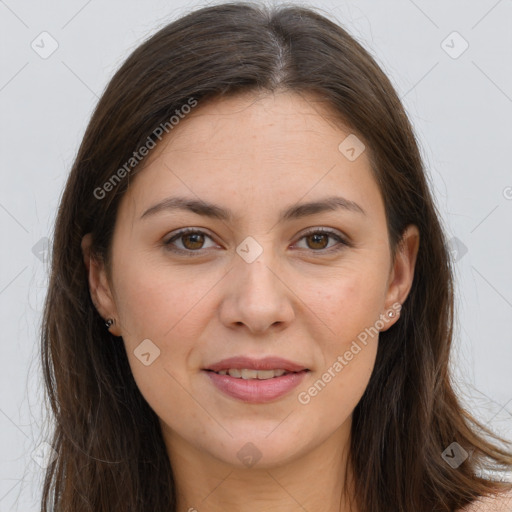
[195, 240]
[191, 242]
[188, 241]
[318, 240]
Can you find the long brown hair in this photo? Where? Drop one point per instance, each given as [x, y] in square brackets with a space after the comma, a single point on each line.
[111, 454]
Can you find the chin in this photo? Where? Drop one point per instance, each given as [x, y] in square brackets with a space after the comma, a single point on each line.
[258, 452]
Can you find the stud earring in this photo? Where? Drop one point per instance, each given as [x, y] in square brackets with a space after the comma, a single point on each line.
[109, 322]
[391, 313]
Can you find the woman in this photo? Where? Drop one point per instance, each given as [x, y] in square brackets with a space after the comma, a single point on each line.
[251, 298]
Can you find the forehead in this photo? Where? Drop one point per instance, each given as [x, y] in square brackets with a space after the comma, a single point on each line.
[267, 122]
[242, 148]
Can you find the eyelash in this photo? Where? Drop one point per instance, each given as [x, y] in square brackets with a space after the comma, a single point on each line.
[316, 231]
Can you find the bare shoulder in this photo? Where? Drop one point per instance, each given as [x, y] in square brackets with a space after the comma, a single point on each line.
[497, 503]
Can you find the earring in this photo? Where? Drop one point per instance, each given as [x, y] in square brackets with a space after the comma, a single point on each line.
[392, 313]
[109, 322]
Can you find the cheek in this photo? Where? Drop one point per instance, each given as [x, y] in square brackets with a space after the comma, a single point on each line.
[160, 302]
[336, 386]
[165, 306]
[339, 386]
[350, 307]
[349, 301]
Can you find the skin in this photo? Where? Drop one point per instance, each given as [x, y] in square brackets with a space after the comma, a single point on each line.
[255, 155]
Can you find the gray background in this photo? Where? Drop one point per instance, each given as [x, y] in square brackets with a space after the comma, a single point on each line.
[460, 106]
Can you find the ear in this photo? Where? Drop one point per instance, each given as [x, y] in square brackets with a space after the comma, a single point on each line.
[99, 286]
[402, 272]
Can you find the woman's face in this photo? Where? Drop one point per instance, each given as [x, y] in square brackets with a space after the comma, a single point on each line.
[262, 276]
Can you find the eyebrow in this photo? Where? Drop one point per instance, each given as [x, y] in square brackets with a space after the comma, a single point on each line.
[214, 211]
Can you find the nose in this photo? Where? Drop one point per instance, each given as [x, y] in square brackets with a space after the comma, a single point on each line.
[257, 296]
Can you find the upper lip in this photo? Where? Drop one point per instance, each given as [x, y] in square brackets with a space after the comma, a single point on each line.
[267, 363]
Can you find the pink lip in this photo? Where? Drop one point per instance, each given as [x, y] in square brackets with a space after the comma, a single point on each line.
[254, 390]
[267, 363]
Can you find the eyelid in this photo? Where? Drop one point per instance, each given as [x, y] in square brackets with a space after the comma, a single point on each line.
[328, 231]
[183, 232]
[343, 240]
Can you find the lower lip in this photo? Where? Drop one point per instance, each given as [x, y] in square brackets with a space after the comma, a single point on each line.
[255, 390]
